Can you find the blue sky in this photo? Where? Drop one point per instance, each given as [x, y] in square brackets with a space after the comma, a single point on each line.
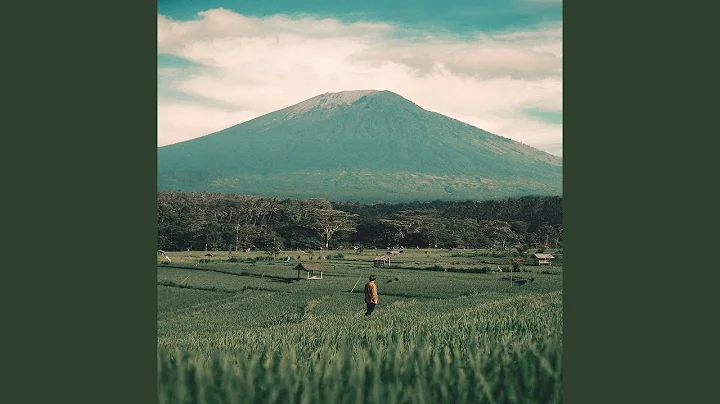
[493, 64]
[455, 16]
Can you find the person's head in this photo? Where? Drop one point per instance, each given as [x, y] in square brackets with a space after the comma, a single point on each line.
[373, 277]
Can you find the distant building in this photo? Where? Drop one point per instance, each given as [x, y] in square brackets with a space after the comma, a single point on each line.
[314, 271]
[382, 260]
[542, 259]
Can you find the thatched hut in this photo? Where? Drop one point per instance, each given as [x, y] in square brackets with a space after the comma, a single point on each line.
[314, 271]
[542, 259]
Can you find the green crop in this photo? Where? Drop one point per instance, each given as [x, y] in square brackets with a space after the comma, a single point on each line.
[231, 334]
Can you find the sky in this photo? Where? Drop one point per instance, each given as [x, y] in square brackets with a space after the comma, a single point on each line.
[494, 64]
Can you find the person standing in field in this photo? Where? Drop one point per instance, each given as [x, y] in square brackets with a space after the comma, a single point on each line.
[371, 295]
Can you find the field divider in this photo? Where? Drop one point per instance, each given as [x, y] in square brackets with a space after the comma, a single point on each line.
[214, 289]
[176, 285]
[220, 271]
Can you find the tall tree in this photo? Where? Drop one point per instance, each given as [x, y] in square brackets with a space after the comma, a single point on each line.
[326, 222]
[403, 222]
[430, 225]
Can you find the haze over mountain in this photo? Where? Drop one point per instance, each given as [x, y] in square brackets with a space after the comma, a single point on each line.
[364, 146]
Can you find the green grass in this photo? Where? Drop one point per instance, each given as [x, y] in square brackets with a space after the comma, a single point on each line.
[262, 336]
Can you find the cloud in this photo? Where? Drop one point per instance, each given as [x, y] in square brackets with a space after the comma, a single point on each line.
[243, 67]
[221, 23]
[181, 121]
[519, 55]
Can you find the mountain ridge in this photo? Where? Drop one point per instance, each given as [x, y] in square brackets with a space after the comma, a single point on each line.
[346, 145]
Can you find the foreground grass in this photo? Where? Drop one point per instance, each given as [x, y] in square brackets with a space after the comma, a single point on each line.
[460, 350]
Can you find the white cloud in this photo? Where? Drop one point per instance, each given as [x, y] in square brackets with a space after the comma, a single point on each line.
[247, 66]
[184, 121]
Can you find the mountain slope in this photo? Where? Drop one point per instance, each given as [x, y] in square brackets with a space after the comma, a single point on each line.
[359, 145]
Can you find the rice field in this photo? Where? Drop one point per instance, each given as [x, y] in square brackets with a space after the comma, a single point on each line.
[247, 330]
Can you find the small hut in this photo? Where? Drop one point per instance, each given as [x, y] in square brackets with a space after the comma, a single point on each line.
[382, 260]
[314, 271]
[542, 259]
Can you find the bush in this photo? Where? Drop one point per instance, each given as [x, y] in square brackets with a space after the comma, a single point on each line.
[482, 270]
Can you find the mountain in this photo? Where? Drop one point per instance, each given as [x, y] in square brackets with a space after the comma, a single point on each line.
[360, 146]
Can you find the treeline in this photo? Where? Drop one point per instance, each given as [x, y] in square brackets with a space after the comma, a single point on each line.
[213, 221]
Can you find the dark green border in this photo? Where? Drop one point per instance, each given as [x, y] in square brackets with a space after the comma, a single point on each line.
[630, 155]
[80, 296]
[593, 359]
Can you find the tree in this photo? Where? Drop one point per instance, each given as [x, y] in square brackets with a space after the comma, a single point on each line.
[461, 233]
[498, 233]
[520, 228]
[327, 221]
[430, 225]
[404, 222]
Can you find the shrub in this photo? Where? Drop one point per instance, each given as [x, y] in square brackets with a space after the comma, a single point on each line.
[482, 270]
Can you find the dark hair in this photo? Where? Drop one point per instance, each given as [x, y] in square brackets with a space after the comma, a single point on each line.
[373, 277]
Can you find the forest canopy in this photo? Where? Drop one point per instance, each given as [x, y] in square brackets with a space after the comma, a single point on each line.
[230, 222]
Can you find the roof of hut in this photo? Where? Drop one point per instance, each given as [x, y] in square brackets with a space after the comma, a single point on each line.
[310, 266]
